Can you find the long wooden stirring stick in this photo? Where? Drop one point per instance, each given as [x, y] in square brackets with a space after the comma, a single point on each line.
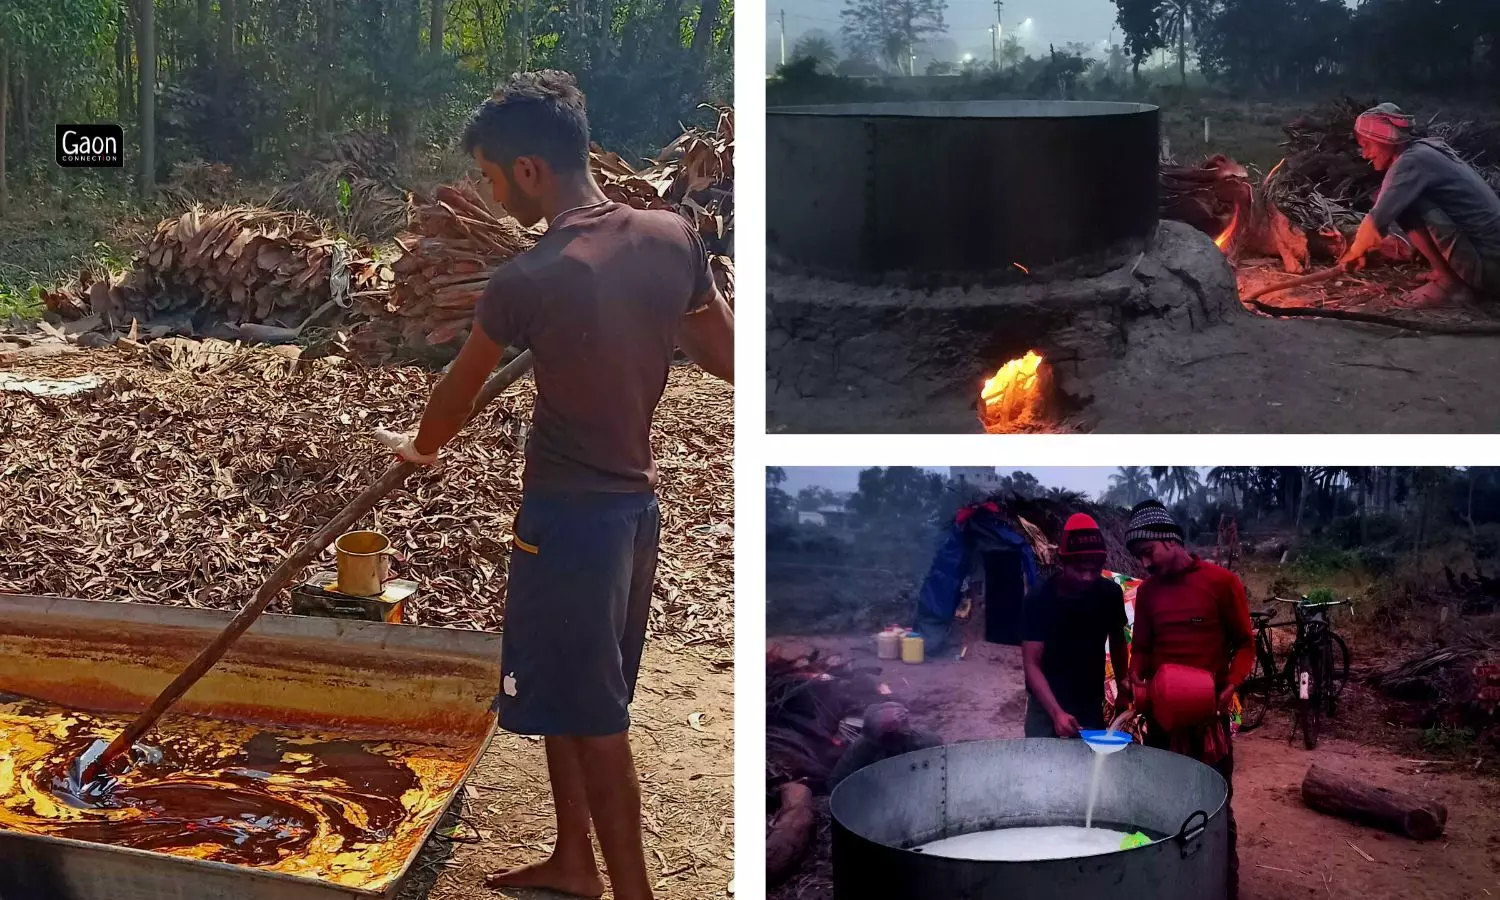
[1314, 278]
[283, 575]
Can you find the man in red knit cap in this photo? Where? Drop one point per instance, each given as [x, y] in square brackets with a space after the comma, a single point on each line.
[1192, 613]
[1064, 628]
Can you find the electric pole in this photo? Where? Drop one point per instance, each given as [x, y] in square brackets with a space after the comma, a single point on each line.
[783, 37]
[994, 47]
[999, 20]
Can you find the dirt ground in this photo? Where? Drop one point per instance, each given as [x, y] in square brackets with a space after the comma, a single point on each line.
[1298, 377]
[1287, 851]
[687, 791]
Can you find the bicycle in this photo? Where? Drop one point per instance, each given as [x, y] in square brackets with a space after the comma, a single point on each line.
[1314, 674]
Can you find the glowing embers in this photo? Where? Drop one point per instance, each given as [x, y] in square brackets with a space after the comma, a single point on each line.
[1016, 397]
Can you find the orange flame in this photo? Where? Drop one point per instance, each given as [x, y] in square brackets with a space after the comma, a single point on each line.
[1222, 240]
[1013, 397]
[1021, 267]
[1273, 170]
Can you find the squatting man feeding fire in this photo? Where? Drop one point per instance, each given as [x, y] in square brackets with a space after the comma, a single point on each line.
[1449, 212]
[602, 301]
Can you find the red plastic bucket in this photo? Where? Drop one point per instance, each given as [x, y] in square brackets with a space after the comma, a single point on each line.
[1182, 696]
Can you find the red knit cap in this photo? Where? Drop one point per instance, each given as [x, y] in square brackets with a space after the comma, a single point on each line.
[1082, 541]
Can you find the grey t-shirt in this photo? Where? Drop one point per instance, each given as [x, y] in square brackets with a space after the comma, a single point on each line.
[1423, 171]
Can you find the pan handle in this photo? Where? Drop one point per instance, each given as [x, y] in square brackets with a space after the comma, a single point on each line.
[1192, 829]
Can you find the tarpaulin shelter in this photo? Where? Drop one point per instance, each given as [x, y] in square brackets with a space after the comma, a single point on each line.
[1005, 547]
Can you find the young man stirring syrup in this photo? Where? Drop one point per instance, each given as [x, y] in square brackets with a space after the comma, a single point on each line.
[602, 301]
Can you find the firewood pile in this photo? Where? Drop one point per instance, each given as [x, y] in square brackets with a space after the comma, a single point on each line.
[237, 264]
[1457, 683]
[455, 241]
[258, 274]
[1326, 185]
[190, 469]
[353, 182]
[454, 245]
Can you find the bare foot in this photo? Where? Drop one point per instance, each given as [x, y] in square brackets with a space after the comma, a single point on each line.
[578, 879]
[1434, 294]
[1432, 276]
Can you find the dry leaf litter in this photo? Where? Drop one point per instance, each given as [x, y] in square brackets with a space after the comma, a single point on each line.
[196, 467]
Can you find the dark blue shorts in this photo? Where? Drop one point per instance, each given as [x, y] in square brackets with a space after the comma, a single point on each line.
[579, 595]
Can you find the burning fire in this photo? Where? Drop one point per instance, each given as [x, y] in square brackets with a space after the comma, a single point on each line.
[1222, 240]
[1016, 395]
[1022, 268]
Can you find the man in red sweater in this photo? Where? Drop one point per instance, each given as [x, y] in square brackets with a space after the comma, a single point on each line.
[1192, 613]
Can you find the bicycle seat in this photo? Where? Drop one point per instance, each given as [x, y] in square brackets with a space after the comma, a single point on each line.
[1257, 615]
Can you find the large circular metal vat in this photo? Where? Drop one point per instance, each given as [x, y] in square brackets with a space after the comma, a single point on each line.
[882, 812]
[961, 188]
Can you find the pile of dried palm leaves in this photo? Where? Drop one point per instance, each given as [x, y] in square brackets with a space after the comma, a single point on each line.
[197, 467]
[807, 699]
[353, 182]
[454, 245]
[239, 264]
[693, 175]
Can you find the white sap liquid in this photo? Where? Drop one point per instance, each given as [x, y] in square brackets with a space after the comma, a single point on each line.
[1024, 844]
[1088, 820]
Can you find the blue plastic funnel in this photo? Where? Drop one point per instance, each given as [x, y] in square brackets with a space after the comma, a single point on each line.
[1106, 741]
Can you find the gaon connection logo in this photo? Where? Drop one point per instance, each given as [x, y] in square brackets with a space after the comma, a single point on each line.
[97, 146]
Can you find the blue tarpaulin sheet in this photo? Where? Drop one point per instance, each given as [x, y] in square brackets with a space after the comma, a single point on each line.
[976, 529]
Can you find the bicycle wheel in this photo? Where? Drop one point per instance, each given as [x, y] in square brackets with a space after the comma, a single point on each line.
[1255, 696]
[1338, 672]
[1311, 706]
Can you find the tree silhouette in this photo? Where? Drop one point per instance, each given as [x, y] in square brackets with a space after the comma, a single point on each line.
[1130, 485]
[1177, 484]
[817, 48]
[1139, 23]
[890, 29]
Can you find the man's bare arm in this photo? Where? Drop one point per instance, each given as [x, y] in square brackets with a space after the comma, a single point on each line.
[708, 338]
[452, 401]
[1031, 665]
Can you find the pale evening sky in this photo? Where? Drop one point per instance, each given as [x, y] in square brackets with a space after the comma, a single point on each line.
[1089, 479]
[1051, 22]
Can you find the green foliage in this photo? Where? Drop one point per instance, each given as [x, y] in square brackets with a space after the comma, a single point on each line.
[1320, 595]
[25, 302]
[1448, 741]
[1320, 560]
[298, 71]
[1376, 562]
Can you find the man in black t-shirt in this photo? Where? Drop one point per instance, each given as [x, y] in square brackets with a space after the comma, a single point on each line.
[1063, 632]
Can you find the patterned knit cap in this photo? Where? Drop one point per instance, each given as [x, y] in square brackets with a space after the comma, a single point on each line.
[1385, 123]
[1082, 541]
[1150, 521]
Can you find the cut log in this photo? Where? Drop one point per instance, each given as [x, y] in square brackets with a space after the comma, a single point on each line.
[789, 834]
[1348, 798]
